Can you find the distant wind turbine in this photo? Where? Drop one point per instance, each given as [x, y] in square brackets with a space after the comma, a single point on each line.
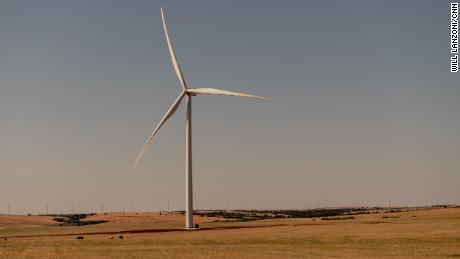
[354, 198]
[317, 198]
[389, 198]
[189, 92]
[132, 206]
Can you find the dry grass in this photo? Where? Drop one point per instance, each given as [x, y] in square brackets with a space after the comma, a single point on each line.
[7, 221]
[148, 218]
[434, 233]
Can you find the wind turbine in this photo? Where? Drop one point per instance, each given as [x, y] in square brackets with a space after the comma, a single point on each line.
[354, 198]
[389, 198]
[317, 198]
[185, 92]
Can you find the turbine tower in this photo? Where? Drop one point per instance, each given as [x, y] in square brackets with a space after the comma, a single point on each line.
[185, 92]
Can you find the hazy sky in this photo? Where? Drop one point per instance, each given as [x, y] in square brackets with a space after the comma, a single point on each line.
[362, 99]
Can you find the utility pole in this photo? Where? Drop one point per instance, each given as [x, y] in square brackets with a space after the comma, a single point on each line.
[46, 209]
[102, 207]
[8, 209]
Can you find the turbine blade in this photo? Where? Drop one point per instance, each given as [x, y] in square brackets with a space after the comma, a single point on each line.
[173, 55]
[221, 92]
[168, 114]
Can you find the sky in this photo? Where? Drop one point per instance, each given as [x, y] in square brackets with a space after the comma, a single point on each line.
[361, 100]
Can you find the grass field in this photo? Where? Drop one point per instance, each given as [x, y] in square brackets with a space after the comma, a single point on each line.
[414, 234]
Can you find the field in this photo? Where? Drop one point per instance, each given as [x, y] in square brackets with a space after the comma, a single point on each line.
[412, 234]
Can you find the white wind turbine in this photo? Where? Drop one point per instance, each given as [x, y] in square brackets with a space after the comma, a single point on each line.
[355, 192]
[389, 198]
[189, 92]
